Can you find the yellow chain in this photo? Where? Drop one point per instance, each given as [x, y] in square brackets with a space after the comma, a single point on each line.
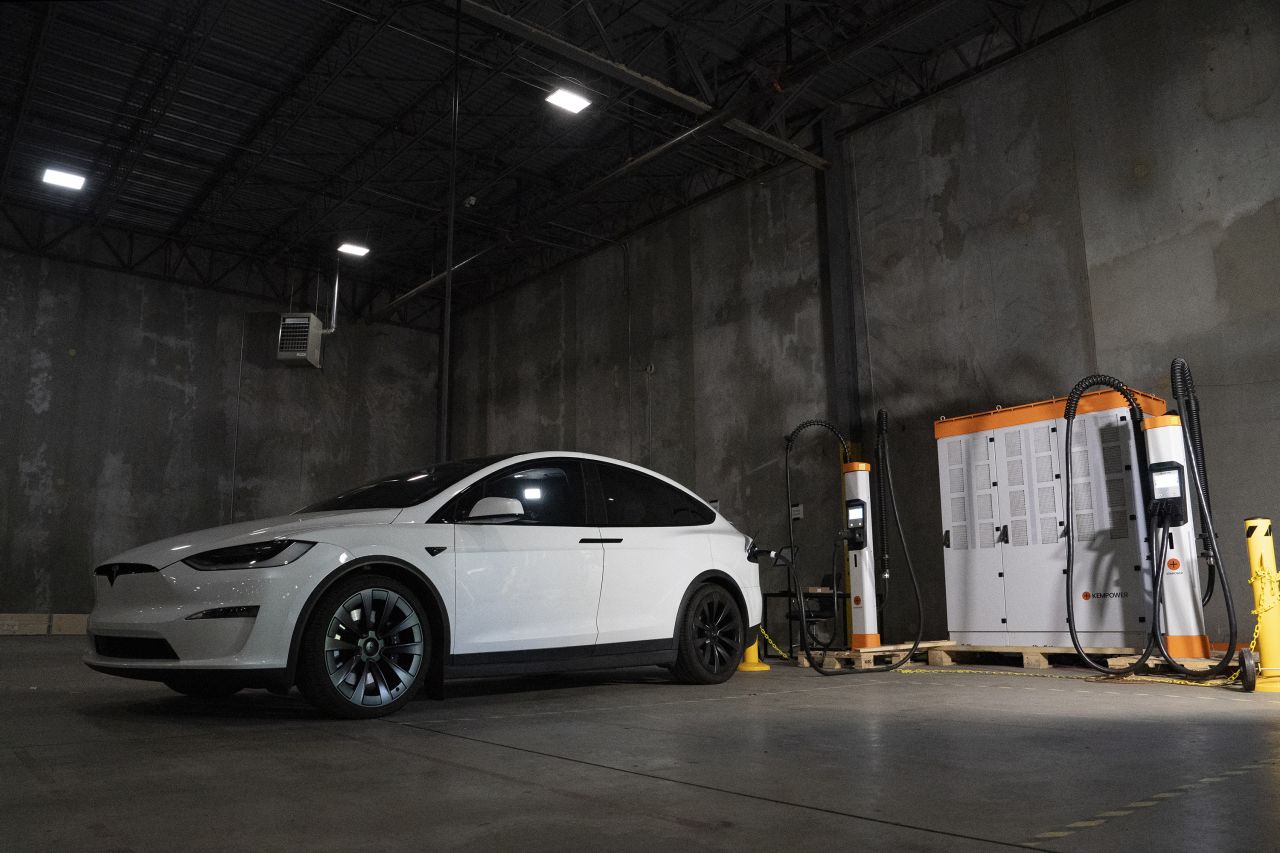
[770, 641]
[1269, 598]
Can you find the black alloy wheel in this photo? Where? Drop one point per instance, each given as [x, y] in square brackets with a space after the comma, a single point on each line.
[711, 637]
[366, 649]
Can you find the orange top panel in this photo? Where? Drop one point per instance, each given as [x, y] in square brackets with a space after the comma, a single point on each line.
[1046, 410]
[1162, 421]
[855, 466]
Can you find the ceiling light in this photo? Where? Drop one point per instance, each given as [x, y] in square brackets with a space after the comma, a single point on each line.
[566, 100]
[353, 249]
[63, 179]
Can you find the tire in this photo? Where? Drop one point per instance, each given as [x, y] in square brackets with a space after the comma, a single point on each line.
[710, 637]
[349, 670]
[203, 690]
[1248, 670]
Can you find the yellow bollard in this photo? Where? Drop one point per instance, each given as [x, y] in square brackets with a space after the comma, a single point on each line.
[1266, 597]
[751, 659]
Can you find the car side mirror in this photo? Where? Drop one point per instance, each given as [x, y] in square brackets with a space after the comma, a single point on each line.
[495, 511]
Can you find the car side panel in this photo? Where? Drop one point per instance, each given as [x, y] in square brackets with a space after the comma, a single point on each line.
[525, 587]
[646, 574]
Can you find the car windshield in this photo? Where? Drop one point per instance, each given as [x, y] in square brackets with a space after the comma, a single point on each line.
[404, 489]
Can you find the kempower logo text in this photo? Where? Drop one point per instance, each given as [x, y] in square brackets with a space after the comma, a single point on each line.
[1088, 596]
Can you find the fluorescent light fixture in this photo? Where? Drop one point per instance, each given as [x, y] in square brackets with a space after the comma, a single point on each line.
[566, 100]
[63, 179]
[353, 249]
[533, 494]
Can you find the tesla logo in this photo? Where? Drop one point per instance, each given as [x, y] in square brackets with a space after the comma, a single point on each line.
[857, 599]
[1173, 564]
[1086, 595]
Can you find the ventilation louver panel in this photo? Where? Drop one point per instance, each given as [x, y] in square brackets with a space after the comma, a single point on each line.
[299, 339]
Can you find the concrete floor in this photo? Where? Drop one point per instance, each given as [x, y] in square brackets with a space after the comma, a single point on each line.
[626, 761]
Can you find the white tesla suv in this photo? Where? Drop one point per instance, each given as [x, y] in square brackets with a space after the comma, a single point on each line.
[538, 562]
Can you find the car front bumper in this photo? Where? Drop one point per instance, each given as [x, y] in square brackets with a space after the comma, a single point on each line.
[140, 626]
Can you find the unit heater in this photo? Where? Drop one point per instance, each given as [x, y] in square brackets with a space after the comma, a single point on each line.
[299, 341]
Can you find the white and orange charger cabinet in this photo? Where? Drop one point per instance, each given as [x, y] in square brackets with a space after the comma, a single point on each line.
[1003, 528]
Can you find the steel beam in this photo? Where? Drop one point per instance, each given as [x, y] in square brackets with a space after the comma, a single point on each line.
[275, 125]
[168, 84]
[843, 280]
[33, 68]
[552, 43]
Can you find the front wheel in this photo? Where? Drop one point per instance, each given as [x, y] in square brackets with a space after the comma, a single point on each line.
[710, 637]
[366, 648]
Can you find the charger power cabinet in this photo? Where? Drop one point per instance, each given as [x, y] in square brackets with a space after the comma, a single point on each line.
[1003, 524]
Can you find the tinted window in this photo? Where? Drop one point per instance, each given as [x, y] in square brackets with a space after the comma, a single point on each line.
[404, 489]
[632, 499]
[551, 492]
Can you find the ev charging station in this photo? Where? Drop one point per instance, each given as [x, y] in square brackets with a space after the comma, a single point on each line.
[864, 629]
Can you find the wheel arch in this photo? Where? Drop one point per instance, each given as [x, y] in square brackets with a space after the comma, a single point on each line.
[719, 578]
[400, 570]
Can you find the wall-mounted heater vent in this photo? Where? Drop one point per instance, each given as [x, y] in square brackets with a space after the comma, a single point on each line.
[299, 341]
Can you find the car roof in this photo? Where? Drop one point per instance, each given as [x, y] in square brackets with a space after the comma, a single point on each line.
[531, 456]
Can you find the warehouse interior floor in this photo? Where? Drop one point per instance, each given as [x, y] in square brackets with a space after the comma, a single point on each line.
[929, 760]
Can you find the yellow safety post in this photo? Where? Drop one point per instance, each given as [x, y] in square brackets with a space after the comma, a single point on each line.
[1266, 595]
[751, 659]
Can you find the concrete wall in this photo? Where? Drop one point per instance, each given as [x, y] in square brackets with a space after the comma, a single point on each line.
[135, 410]
[1106, 203]
[693, 351]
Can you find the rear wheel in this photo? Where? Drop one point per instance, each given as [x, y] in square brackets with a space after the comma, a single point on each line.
[366, 648]
[710, 637]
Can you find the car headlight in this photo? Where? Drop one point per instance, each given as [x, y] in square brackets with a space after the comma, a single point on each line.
[258, 555]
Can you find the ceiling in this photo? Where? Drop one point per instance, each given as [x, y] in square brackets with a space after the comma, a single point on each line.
[227, 141]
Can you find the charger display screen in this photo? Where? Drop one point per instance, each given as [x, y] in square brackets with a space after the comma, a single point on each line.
[856, 515]
[1166, 484]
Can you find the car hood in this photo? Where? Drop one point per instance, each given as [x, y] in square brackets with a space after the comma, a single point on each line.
[168, 551]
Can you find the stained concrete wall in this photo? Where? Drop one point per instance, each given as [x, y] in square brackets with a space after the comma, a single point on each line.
[135, 410]
[693, 349]
[1106, 203]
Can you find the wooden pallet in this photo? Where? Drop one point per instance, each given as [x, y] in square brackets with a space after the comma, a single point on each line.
[1029, 657]
[871, 656]
[1155, 665]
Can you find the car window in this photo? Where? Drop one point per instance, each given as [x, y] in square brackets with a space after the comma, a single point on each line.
[551, 492]
[634, 499]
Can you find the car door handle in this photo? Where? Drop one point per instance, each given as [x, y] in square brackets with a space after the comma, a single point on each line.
[599, 541]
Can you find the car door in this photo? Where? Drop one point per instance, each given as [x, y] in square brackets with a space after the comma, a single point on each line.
[532, 582]
[655, 543]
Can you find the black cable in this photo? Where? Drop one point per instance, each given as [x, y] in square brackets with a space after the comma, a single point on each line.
[1211, 537]
[1073, 402]
[883, 442]
[1155, 639]
[1188, 402]
[793, 581]
[882, 516]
